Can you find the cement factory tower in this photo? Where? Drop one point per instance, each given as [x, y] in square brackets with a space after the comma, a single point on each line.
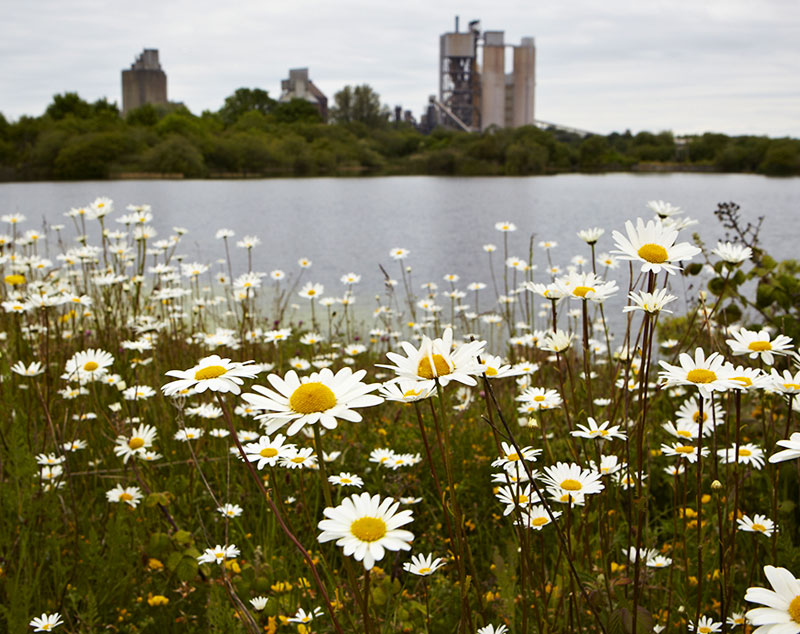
[474, 90]
[145, 82]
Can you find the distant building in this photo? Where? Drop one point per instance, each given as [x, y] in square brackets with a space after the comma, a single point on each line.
[299, 86]
[145, 82]
[475, 92]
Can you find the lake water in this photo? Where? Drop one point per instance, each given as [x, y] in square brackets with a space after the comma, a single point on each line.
[350, 225]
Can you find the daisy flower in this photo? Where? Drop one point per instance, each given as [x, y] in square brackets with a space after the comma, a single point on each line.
[305, 617]
[141, 440]
[46, 622]
[591, 236]
[663, 209]
[218, 554]
[572, 479]
[791, 451]
[683, 451]
[365, 527]
[88, 365]
[653, 245]
[732, 253]
[188, 433]
[536, 398]
[658, 561]
[782, 611]
[707, 374]
[689, 412]
[705, 625]
[759, 524]
[491, 629]
[311, 290]
[299, 458]
[323, 397]
[438, 360]
[749, 454]
[509, 457]
[423, 565]
[381, 456]
[649, 302]
[586, 286]
[268, 451]
[398, 253]
[138, 393]
[211, 373]
[406, 390]
[601, 431]
[259, 603]
[130, 495]
[505, 225]
[496, 368]
[737, 618]
[786, 383]
[516, 497]
[609, 465]
[535, 517]
[346, 480]
[34, 369]
[759, 344]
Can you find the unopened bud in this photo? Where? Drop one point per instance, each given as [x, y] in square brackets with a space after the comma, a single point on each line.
[716, 485]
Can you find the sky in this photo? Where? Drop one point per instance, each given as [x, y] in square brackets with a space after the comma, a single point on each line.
[688, 66]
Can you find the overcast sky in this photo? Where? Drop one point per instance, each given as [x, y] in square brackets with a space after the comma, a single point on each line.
[602, 65]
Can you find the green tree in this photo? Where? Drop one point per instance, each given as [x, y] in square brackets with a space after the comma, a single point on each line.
[68, 104]
[782, 158]
[359, 104]
[593, 151]
[295, 111]
[244, 100]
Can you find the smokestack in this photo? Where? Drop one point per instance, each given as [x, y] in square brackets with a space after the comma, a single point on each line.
[456, 24]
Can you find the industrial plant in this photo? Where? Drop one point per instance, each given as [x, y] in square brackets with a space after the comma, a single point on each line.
[299, 86]
[144, 82]
[475, 92]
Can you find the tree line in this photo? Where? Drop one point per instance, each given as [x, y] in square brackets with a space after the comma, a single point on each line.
[253, 135]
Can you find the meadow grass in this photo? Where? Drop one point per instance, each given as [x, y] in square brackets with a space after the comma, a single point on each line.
[538, 450]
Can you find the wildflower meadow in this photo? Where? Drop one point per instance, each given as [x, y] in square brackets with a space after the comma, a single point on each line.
[600, 441]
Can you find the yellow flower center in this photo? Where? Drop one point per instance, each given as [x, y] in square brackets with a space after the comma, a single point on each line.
[47, 626]
[791, 386]
[539, 521]
[794, 609]
[298, 459]
[268, 452]
[701, 375]
[209, 372]
[696, 417]
[759, 527]
[346, 481]
[704, 629]
[423, 571]
[312, 397]
[684, 449]
[491, 372]
[136, 443]
[440, 367]
[683, 433]
[411, 393]
[746, 382]
[759, 346]
[14, 280]
[219, 555]
[538, 398]
[745, 452]
[654, 253]
[581, 291]
[90, 366]
[368, 529]
[125, 497]
[571, 485]
[522, 499]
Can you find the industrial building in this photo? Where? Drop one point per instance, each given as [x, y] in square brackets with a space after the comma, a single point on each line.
[299, 86]
[475, 92]
[144, 82]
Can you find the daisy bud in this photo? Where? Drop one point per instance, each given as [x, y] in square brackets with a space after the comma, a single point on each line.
[716, 485]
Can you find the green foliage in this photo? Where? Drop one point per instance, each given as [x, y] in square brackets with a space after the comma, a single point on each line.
[254, 135]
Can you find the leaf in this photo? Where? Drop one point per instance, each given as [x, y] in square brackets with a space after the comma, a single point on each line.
[158, 544]
[182, 537]
[186, 569]
[173, 560]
